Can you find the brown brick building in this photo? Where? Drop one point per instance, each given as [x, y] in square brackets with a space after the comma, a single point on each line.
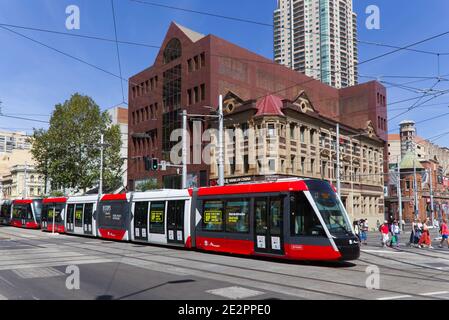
[192, 70]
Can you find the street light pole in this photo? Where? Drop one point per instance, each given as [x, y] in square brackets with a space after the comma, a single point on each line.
[25, 181]
[415, 187]
[431, 195]
[220, 143]
[399, 191]
[338, 161]
[100, 188]
[184, 149]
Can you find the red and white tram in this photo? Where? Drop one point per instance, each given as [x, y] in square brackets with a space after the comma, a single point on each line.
[114, 217]
[26, 213]
[295, 220]
[53, 214]
[162, 217]
[79, 215]
[5, 212]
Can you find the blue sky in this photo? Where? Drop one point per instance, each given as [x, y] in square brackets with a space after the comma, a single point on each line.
[33, 78]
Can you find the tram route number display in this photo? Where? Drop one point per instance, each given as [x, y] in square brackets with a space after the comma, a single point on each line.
[157, 216]
[213, 216]
[234, 217]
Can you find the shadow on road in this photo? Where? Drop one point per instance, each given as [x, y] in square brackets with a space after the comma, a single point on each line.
[109, 297]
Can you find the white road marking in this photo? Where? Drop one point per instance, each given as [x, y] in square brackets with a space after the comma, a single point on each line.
[8, 282]
[235, 293]
[33, 273]
[3, 297]
[394, 298]
[434, 293]
[382, 251]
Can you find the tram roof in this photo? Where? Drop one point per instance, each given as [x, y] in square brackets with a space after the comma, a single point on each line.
[265, 187]
[25, 201]
[55, 200]
[164, 193]
[89, 198]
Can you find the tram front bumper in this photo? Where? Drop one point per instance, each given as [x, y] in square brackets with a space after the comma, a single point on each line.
[349, 248]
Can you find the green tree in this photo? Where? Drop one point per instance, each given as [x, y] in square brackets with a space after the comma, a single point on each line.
[147, 185]
[69, 151]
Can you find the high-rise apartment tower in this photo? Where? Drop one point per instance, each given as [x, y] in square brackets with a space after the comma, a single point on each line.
[318, 38]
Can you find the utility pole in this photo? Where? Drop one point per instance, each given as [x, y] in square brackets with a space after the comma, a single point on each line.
[25, 181]
[415, 188]
[220, 143]
[100, 188]
[431, 195]
[399, 192]
[338, 161]
[184, 149]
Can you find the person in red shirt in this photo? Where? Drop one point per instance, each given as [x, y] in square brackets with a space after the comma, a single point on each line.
[384, 233]
[444, 230]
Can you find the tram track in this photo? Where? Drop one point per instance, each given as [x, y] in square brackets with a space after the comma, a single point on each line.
[426, 275]
[83, 246]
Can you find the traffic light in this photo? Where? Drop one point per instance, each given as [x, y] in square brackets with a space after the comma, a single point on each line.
[147, 161]
[154, 164]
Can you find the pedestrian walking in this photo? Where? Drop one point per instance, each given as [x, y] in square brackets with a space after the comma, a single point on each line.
[395, 232]
[444, 230]
[415, 234]
[364, 231]
[425, 240]
[384, 233]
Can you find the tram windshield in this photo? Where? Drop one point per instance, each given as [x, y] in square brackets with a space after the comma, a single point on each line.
[329, 206]
[22, 211]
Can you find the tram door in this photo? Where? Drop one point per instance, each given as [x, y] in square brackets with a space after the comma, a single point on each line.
[268, 217]
[175, 222]
[87, 218]
[70, 227]
[141, 221]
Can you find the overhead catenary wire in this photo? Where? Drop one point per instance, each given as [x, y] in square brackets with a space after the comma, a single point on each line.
[118, 50]
[296, 84]
[118, 76]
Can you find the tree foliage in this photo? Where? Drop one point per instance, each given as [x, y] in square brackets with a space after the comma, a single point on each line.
[68, 153]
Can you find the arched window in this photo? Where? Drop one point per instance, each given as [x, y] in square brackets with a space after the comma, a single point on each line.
[173, 50]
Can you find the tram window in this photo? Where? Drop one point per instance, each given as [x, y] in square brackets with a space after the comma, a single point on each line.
[45, 212]
[261, 216]
[237, 216]
[140, 214]
[157, 214]
[17, 212]
[276, 216]
[37, 210]
[213, 215]
[88, 209]
[28, 212]
[5, 210]
[70, 210]
[304, 221]
[175, 213]
[79, 215]
[58, 212]
[48, 212]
